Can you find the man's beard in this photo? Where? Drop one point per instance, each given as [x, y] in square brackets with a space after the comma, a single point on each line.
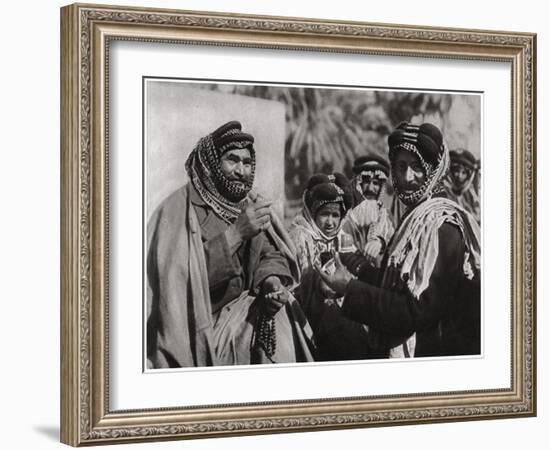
[369, 195]
[233, 190]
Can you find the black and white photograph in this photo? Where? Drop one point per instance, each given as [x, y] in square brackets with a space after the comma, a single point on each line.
[293, 220]
[301, 223]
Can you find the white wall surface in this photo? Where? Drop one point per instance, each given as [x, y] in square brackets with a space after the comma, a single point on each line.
[179, 115]
[29, 109]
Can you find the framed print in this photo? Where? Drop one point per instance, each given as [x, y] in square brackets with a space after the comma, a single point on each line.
[277, 225]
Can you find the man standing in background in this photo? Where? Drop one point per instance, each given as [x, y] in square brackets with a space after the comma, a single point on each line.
[462, 183]
[369, 214]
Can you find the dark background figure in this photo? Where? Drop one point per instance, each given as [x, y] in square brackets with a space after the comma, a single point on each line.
[463, 182]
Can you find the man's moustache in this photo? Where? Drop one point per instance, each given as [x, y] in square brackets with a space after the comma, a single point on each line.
[409, 187]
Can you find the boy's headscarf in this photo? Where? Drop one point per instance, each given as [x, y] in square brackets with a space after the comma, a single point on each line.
[323, 189]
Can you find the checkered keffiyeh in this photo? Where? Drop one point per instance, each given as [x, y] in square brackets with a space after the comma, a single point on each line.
[426, 142]
[204, 170]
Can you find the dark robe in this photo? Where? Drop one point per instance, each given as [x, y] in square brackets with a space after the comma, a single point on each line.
[446, 316]
[337, 338]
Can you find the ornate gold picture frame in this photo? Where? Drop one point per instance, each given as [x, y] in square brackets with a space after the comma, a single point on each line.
[88, 33]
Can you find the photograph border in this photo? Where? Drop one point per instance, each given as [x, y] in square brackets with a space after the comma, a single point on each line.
[86, 32]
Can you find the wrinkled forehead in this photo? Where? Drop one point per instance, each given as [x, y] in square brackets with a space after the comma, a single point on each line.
[403, 155]
[240, 154]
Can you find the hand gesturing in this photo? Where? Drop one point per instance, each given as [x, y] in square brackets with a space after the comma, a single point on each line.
[274, 294]
[338, 280]
[255, 218]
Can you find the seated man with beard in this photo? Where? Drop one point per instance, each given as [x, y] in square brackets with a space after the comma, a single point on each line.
[218, 267]
[427, 302]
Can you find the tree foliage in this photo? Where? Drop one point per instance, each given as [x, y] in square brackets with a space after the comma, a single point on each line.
[327, 129]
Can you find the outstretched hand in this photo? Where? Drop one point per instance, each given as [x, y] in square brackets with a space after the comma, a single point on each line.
[337, 281]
